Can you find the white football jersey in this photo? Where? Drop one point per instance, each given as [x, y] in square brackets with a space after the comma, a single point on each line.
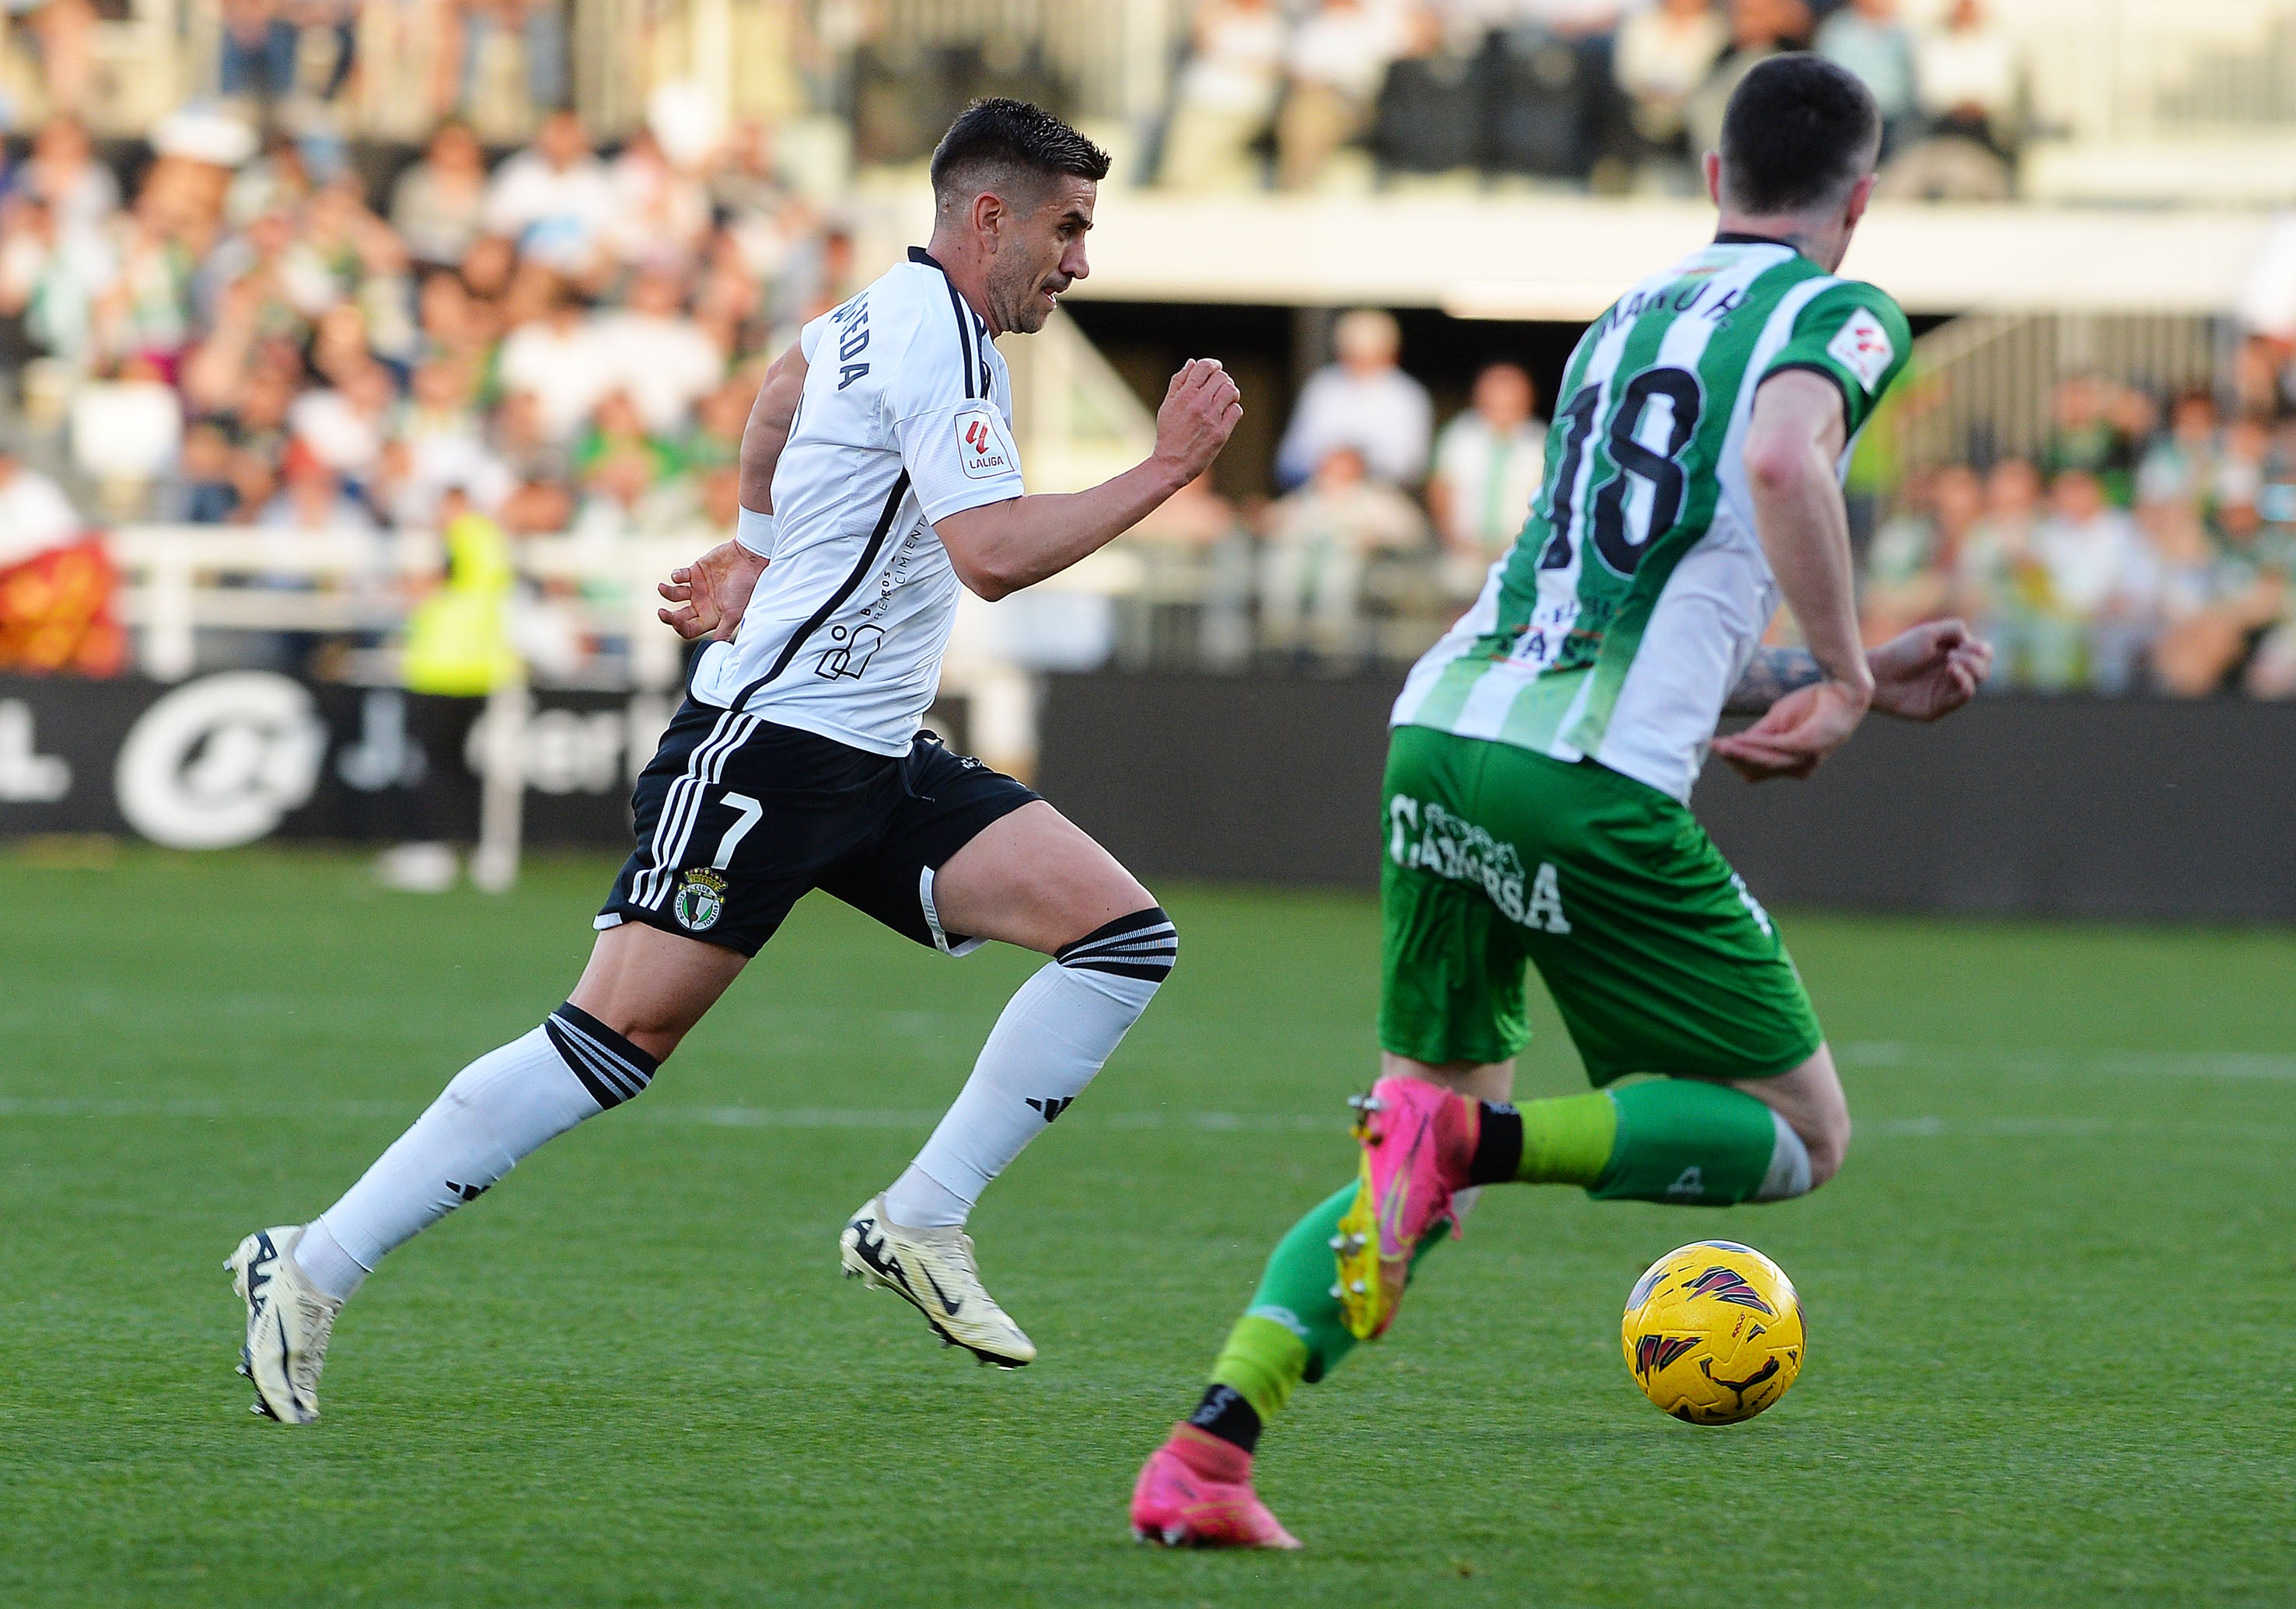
[905, 419]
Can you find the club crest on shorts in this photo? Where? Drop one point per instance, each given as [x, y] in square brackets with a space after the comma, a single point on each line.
[700, 900]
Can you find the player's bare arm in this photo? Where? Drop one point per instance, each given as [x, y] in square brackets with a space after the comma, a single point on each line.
[1923, 674]
[712, 591]
[1793, 441]
[1002, 547]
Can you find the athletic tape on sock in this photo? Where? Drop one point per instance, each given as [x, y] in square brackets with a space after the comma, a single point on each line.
[1144, 944]
[612, 1068]
[1789, 1174]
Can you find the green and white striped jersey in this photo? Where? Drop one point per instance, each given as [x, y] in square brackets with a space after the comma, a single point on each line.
[1637, 592]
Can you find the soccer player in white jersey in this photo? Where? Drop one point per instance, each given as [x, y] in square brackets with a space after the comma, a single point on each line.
[878, 476]
[1539, 769]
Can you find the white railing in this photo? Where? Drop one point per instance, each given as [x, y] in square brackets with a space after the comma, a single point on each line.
[180, 580]
[1985, 382]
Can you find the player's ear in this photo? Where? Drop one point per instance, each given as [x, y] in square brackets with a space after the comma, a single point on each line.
[988, 214]
[1860, 194]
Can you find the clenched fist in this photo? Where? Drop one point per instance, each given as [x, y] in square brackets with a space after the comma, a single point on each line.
[1198, 414]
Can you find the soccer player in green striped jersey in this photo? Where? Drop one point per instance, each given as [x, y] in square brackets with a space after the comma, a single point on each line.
[1539, 771]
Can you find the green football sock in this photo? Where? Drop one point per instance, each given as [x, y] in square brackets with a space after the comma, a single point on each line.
[1292, 1331]
[1672, 1140]
[1691, 1143]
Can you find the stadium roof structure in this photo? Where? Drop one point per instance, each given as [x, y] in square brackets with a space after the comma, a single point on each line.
[1564, 257]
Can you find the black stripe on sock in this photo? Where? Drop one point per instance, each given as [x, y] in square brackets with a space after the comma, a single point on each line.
[1499, 1145]
[610, 1067]
[1144, 944]
[1223, 1413]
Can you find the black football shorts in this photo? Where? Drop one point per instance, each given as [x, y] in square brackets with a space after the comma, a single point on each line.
[739, 819]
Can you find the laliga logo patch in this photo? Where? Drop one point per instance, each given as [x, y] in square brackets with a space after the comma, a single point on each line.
[1863, 347]
[700, 900]
[1654, 1352]
[1726, 1285]
[981, 445]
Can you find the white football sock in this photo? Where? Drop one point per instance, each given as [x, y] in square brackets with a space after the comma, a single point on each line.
[1053, 1035]
[500, 1108]
[325, 1264]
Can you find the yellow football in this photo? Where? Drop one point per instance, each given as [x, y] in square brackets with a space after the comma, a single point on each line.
[1713, 1332]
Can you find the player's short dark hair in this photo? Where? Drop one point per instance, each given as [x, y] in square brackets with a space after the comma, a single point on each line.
[1797, 132]
[997, 141]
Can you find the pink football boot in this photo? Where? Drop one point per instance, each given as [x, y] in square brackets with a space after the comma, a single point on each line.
[1418, 1145]
[1195, 1491]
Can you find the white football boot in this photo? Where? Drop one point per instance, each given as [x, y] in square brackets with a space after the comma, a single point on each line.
[933, 1269]
[288, 1323]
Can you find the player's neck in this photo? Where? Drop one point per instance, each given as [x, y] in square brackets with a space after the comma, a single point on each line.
[1821, 244]
[968, 273]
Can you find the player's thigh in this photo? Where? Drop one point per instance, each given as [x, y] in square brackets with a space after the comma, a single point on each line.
[970, 855]
[650, 986]
[1657, 955]
[1037, 880]
[1452, 947]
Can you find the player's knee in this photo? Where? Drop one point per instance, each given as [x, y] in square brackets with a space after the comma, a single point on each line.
[1141, 947]
[1826, 1139]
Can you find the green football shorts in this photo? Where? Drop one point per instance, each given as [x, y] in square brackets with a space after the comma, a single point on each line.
[1659, 958]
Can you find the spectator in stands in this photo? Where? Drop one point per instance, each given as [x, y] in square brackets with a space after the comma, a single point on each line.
[257, 50]
[1319, 541]
[1869, 39]
[62, 173]
[2103, 589]
[2217, 597]
[538, 28]
[205, 494]
[35, 515]
[1915, 555]
[64, 31]
[1364, 401]
[51, 277]
[2178, 469]
[1224, 96]
[1970, 84]
[1665, 51]
[559, 358]
[1337, 59]
[439, 205]
[2087, 434]
[1488, 463]
[1759, 29]
[1197, 548]
[555, 199]
[1996, 583]
[343, 426]
[662, 358]
[661, 209]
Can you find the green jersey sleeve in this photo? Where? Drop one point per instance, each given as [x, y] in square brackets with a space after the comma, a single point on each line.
[1855, 336]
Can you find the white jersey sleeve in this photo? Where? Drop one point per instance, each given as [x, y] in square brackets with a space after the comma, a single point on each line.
[955, 440]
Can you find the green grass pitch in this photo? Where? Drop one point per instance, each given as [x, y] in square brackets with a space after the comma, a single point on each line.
[2053, 1335]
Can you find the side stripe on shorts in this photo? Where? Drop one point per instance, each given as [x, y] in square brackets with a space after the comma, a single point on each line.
[683, 806]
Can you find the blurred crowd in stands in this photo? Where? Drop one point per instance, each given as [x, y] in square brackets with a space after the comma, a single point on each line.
[573, 342]
[2150, 546]
[1622, 94]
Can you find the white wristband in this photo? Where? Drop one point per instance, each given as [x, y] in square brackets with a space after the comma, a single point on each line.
[755, 532]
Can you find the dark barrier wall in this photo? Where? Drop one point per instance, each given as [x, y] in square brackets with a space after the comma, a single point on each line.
[2060, 805]
[2118, 808]
[229, 758]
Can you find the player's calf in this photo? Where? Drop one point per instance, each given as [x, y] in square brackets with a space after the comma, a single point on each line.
[495, 1111]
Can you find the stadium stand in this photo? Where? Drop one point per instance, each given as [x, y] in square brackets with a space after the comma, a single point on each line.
[300, 275]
